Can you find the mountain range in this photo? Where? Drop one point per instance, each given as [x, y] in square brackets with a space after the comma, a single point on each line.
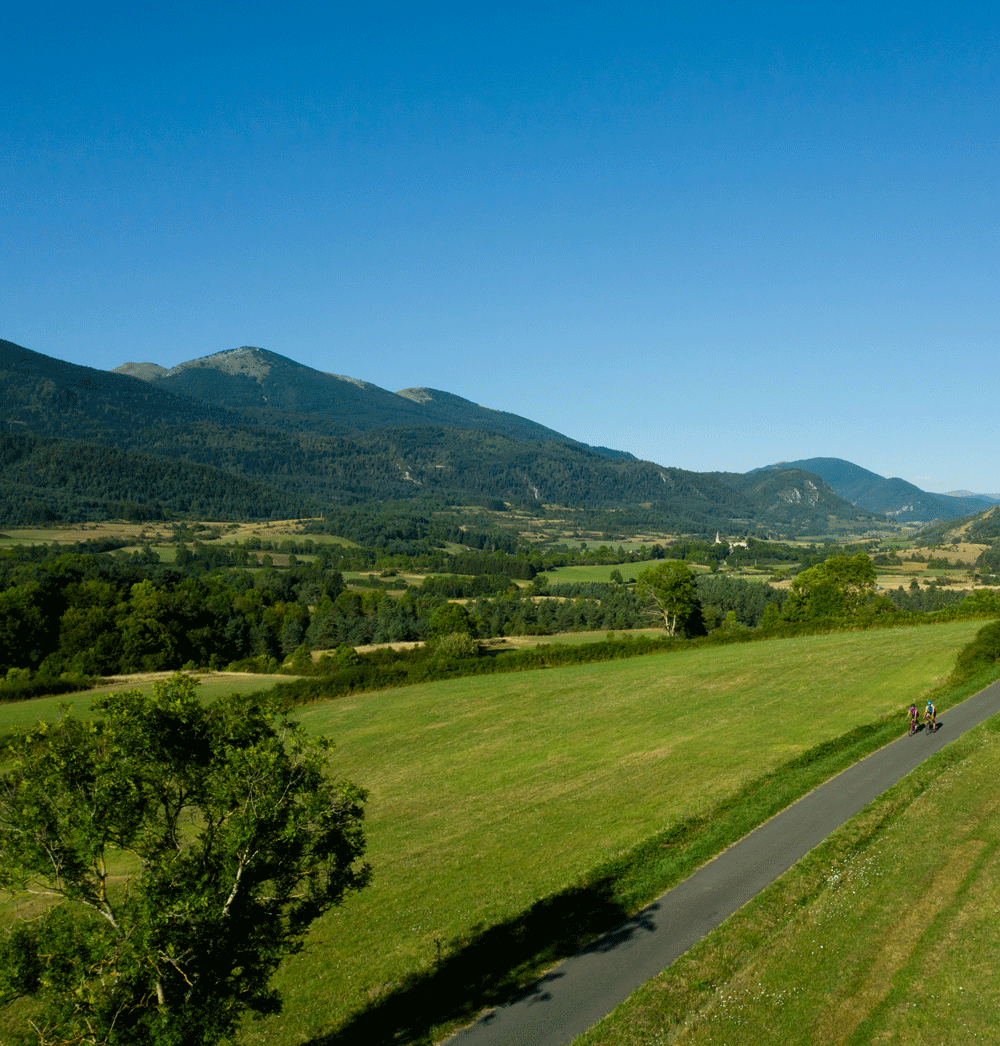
[273, 389]
[263, 435]
[896, 498]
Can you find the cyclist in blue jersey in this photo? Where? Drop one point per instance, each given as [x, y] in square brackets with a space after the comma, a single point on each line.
[930, 717]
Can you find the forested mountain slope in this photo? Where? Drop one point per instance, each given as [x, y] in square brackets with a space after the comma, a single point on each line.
[44, 479]
[271, 422]
[895, 498]
[795, 495]
[276, 390]
[46, 396]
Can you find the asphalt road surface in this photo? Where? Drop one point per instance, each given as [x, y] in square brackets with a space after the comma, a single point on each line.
[573, 996]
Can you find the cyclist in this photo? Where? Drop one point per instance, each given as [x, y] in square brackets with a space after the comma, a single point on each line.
[930, 717]
[914, 718]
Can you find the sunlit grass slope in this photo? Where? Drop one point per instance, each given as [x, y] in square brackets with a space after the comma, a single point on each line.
[25, 714]
[887, 933]
[488, 793]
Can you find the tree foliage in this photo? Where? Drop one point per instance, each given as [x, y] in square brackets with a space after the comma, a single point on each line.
[48, 479]
[838, 588]
[669, 591]
[180, 852]
[982, 652]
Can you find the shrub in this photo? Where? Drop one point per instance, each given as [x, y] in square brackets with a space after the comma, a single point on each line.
[981, 653]
[261, 663]
[457, 645]
[21, 685]
[343, 656]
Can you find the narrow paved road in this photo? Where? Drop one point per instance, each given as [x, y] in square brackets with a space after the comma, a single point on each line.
[583, 989]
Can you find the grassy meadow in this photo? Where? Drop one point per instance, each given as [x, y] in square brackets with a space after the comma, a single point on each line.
[568, 638]
[887, 932]
[488, 793]
[21, 714]
[599, 572]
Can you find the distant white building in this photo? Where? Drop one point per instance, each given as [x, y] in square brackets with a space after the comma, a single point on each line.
[732, 544]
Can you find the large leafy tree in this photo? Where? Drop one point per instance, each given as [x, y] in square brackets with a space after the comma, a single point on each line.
[670, 593]
[176, 852]
[841, 587]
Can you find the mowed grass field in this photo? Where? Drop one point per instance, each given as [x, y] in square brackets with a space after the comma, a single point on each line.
[489, 793]
[569, 638]
[23, 714]
[599, 572]
[886, 933]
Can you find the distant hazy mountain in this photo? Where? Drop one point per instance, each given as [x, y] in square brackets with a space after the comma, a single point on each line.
[896, 498]
[971, 494]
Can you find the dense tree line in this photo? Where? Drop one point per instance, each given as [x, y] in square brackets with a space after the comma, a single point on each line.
[95, 611]
[918, 599]
[457, 586]
[98, 613]
[102, 614]
[387, 526]
[721, 594]
[88, 612]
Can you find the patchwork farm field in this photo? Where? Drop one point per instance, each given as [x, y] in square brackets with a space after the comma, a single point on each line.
[489, 793]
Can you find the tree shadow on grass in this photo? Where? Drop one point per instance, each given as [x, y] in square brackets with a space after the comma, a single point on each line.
[490, 966]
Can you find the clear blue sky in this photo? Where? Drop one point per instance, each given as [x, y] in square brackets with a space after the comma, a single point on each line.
[716, 235]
